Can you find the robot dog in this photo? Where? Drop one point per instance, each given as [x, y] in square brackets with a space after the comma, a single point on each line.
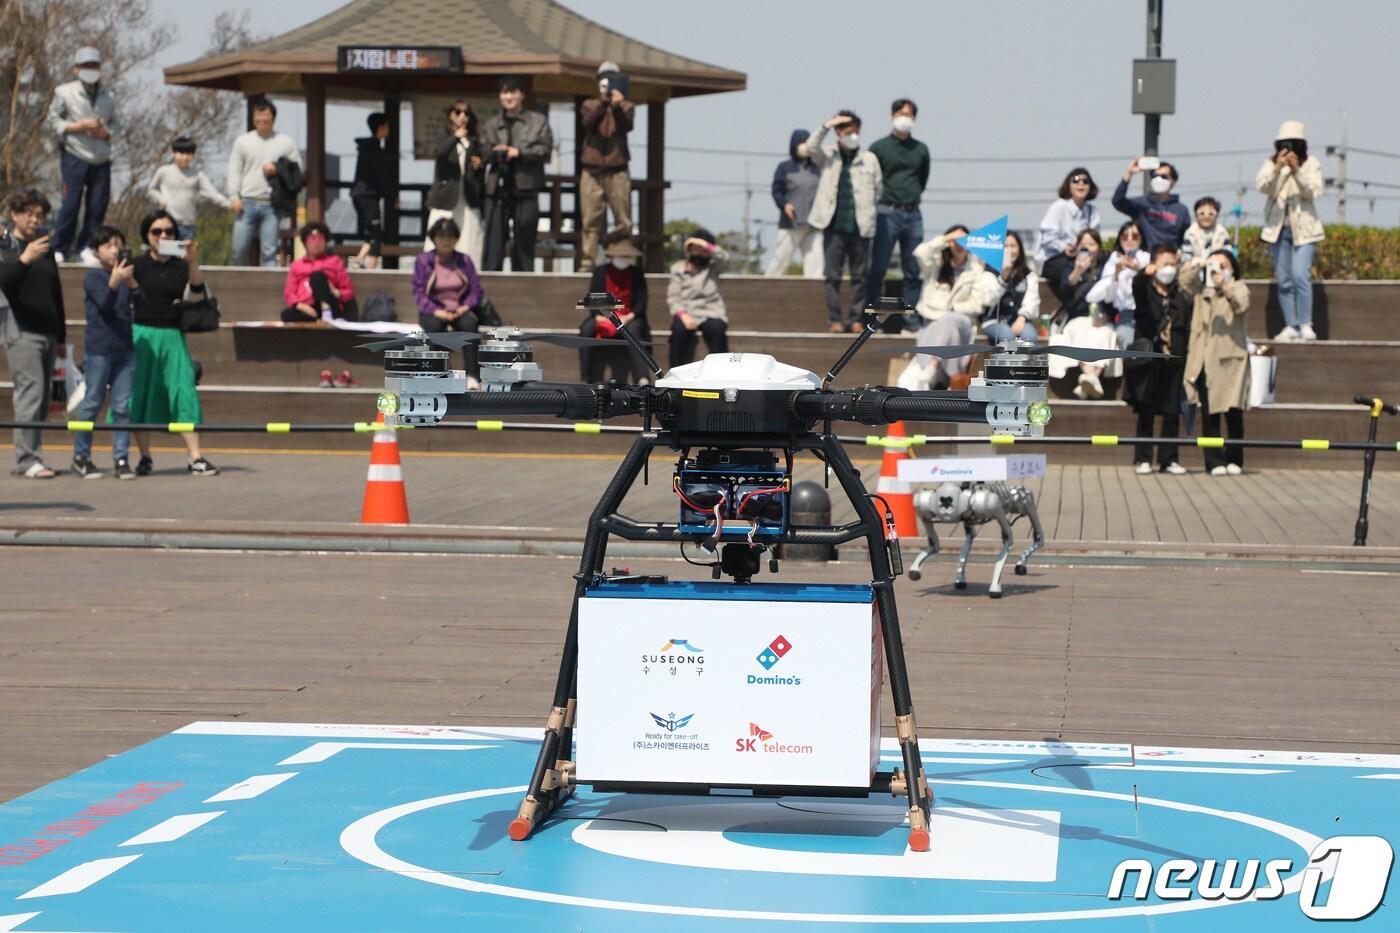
[975, 504]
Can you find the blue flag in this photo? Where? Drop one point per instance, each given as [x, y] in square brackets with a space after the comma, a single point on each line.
[987, 243]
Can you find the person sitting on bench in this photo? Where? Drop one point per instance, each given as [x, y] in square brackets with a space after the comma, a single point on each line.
[318, 287]
[447, 289]
[697, 308]
[623, 278]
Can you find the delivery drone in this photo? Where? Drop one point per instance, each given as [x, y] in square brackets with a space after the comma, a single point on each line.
[735, 422]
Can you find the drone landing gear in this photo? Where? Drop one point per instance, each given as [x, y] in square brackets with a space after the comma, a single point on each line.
[554, 777]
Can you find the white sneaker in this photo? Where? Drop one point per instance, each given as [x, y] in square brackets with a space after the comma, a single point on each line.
[1079, 389]
[1287, 335]
[1174, 468]
[1219, 471]
[88, 258]
[1234, 469]
[1143, 468]
[1307, 333]
[1090, 386]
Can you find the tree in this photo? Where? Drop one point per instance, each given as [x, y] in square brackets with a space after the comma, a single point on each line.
[41, 39]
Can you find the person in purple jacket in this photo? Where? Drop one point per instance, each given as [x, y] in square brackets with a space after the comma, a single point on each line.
[447, 289]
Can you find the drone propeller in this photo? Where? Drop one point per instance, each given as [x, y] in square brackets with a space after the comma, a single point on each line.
[568, 340]
[453, 341]
[1082, 354]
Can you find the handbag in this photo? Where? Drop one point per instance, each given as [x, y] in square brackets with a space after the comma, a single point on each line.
[198, 317]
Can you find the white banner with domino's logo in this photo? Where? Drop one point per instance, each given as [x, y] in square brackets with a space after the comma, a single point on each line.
[715, 683]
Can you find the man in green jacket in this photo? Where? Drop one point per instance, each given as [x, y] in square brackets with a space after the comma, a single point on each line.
[904, 164]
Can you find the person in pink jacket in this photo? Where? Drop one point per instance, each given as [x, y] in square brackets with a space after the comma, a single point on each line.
[318, 286]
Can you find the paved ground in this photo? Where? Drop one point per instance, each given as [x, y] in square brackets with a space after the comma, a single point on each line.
[103, 649]
[553, 495]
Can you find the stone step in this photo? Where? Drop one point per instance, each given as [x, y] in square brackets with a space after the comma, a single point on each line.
[1343, 310]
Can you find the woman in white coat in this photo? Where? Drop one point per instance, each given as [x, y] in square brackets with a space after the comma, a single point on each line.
[958, 290]
[1115, 285]
[1292, 181]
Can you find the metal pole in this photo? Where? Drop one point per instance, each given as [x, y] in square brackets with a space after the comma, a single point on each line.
[1342, 173]
[1152, 122]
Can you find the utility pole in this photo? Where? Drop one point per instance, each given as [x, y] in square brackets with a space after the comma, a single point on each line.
[1342, 173]
[1238, 209]
[748, 217]
[1152, 122]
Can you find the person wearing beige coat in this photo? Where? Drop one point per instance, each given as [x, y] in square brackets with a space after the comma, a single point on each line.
[1291, 181]
[1217, 357]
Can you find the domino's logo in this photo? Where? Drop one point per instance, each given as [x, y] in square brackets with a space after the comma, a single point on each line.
[774, 652]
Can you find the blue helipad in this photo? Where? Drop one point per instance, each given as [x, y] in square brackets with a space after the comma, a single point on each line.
[266, 826]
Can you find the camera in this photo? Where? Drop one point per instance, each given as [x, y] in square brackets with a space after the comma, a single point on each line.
[615, 81]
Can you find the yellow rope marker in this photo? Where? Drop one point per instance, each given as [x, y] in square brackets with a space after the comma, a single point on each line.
[80, 425]
[1002, 439]
[919, 439]
[1104, 440]
[364, 427]
[279, 427]
[1315, 445]
[490, 425]
[1377, 406]
[1210, 442]
[180, 427]
[587, 427]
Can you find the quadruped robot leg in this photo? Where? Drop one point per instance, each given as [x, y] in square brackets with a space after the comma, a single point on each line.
[915, 569]
[1025, 503]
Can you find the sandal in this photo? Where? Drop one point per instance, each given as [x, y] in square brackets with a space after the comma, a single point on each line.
[38, 470]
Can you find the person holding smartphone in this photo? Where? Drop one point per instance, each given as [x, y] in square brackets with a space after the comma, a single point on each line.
[1217, 360]
[1161, 216]
[1292, 181]
[33, 331]
[164, 390]
[110, 298]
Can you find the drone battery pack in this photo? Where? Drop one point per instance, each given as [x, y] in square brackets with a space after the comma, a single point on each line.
[699, 685]
[748, 485]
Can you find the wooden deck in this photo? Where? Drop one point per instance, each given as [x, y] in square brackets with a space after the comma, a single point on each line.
[103, 649]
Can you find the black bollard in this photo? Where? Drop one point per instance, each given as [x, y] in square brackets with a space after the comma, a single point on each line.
[809, 504]
[1362, 518]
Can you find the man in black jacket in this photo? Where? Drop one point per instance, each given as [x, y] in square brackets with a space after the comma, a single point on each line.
[518, 142]
[32, 328]
[371, 186]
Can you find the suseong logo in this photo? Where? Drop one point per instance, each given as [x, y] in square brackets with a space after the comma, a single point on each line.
[1360, 875]
[677, 655]
[769, 657]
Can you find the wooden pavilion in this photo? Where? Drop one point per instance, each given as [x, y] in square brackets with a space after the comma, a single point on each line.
[391, 50]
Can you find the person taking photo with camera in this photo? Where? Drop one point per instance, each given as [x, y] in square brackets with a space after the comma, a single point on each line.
[605, 182]
[1292, 181]
[518, 143]
[1217, 361]
[33, 329]
[1161, 216]
[110, 298]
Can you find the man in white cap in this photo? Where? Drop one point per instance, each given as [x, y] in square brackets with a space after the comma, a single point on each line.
[83, 117]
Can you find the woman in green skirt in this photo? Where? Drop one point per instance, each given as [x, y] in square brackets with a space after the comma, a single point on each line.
[165, 390]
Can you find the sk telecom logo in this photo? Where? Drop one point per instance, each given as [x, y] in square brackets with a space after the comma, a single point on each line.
[756, 734]
[774, 652]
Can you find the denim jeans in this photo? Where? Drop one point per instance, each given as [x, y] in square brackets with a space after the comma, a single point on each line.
[259, 216]
[1293, 269]
[184, 231]
[79, 177]
[998, 331]
[907, 229]
[99, 371]
[1126, 331]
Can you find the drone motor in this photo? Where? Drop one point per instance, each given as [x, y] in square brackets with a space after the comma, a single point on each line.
[1013, 385]
[417, 381]
[507, 360]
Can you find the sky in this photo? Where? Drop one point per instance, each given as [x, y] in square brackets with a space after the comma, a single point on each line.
[1011, 94]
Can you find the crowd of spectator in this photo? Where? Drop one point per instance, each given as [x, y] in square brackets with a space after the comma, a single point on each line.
[844, 209]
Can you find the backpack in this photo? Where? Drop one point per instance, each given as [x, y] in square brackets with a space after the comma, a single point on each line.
[487, 315]
[379, 307]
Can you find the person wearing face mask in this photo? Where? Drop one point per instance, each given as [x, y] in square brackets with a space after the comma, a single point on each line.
[697, 308]
[1291, 180]
[1217, 361]
[1203, 237]
[318, 286]
[794, 188]
[1086, 324]
[904, 166]
[958, 291]
[1162, 324]
[622, 277]
[83, 117]
[844, 210]
[1161, 216]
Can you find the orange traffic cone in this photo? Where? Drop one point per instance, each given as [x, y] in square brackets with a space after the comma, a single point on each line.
[898, 494]
[386, 503]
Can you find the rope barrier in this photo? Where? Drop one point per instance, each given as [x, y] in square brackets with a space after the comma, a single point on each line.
[590, 427]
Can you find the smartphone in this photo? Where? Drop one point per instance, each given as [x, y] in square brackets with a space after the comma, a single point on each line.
[1149, 163]
[123, 255]
[172, 247]
[42, 230]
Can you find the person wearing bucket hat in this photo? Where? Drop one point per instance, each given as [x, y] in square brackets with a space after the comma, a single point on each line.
[622, 277]
[82, 116]
[1291, 181]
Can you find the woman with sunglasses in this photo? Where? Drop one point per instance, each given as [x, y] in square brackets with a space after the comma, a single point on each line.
[1114, 289]
[165, 388]
[1064, 221]
[459, 180]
